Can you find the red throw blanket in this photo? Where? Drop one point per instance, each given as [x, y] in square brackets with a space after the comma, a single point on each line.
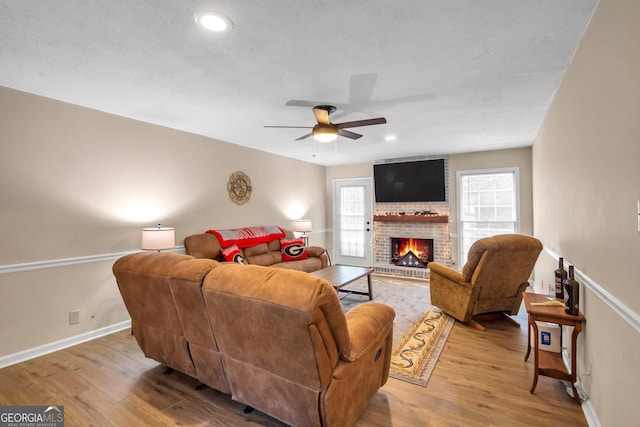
[248, 236]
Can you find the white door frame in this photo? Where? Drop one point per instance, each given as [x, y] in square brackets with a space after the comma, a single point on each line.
[364, 259]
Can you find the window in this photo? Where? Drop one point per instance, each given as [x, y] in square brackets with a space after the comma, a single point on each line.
[352, 221]
[488, 204]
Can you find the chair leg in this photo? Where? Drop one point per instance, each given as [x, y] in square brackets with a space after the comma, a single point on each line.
[476, 325]
[490, 317]
[511, 320]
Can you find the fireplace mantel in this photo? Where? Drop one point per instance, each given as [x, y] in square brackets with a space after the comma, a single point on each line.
[412, 218]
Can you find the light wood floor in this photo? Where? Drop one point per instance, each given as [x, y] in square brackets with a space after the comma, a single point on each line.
[481, 379]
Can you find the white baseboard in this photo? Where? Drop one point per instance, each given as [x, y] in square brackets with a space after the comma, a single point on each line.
[41, 350]
[31, 353]
[590, 414]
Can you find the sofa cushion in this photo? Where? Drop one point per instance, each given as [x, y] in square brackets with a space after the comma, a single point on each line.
[308, 265]
[293, 249]
[232, 254]
[261, 255]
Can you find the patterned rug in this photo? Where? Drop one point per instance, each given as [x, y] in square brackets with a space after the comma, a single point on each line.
[420, 330]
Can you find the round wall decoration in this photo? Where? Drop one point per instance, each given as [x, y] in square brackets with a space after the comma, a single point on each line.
[239, 188]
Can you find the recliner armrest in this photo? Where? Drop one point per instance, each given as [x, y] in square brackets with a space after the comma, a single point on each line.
[368, 323]
[315, 251]
[446, 272]
[319, 252]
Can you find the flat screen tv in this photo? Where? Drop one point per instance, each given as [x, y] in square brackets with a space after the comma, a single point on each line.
[419, 181]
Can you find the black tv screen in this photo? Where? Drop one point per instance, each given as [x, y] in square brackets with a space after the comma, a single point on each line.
[420, 181]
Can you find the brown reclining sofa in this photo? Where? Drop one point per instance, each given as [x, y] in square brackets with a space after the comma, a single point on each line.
[206, 245]
[274, 339]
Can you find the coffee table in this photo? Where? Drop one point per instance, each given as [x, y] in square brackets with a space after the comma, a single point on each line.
[341, 275]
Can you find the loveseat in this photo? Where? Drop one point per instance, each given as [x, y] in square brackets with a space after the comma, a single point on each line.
[274, 339]
[268, 254]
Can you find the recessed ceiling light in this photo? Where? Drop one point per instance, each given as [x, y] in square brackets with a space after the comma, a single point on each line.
[215, 22]
[390, 138]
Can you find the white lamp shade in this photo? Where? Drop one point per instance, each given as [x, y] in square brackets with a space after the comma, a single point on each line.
[158, 238]
[302, 225]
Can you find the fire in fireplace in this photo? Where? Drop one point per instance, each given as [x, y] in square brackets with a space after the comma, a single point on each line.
[410, 252]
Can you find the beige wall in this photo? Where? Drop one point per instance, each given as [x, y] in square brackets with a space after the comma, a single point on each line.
[586, 188]
[519, 157]
[76, 183]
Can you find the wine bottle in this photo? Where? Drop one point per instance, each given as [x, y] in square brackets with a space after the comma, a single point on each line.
[572, 292]
[560, 275]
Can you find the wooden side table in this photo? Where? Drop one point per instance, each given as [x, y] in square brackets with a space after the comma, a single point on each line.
[547, 363]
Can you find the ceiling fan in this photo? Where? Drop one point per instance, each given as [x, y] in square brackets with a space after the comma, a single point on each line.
[325, 131]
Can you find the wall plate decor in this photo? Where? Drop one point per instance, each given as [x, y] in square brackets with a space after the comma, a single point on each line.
[239, 188]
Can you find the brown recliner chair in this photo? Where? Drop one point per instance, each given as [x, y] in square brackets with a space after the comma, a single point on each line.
[491, 282]
[289, 349]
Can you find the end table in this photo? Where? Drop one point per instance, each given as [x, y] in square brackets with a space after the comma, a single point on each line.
[547, 363]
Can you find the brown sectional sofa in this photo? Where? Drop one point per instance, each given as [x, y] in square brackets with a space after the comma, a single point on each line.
[206, 245]
[274, 339]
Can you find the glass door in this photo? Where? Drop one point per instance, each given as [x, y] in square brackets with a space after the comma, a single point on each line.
[353, 222]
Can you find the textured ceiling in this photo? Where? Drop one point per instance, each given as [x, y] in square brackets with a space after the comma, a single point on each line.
[450, 76]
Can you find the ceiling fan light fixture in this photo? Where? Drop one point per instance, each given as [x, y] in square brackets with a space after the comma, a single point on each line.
[214, 22]
[324, 133]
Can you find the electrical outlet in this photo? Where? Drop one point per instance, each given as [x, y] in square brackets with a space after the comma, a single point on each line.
[74, 317]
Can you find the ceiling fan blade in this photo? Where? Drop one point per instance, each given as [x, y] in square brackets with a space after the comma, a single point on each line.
[356, 123]
[304, 136]
[322, 116]
[302, 103]
[291, 127]
[361, 88]
[349, 134]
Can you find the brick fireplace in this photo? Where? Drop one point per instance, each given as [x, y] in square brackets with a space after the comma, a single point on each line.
[417, 220]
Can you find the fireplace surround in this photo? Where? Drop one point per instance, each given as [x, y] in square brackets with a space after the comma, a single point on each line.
[417, 220]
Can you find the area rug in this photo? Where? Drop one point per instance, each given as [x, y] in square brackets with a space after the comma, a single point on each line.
[414, 359]
[420, 331]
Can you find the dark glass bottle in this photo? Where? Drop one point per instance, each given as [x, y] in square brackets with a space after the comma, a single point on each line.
[572, 294]
[560, 275]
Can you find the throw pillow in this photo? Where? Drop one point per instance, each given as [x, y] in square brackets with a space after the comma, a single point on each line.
[232, 254]
[293, 249]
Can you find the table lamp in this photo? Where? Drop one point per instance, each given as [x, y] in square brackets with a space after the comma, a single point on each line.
[158, 238]
[303, 225]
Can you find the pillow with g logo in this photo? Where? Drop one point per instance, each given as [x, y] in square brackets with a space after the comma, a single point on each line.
[293, 249]
[232, 254]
